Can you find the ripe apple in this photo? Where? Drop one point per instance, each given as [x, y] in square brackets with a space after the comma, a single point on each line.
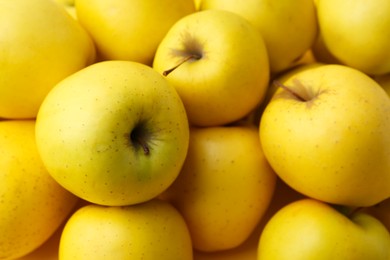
[224, 187]
[288, 27]
[283, 195]
[40, 45]
[357, 33]
[114, 133]
[149, 230]
[32, 204]
[311, 229]
[130, 29]
[325, 133]
[218, 63]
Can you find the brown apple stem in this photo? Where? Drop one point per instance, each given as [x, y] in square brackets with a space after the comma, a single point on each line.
[192, 56]
[143, 144]
[295, 94]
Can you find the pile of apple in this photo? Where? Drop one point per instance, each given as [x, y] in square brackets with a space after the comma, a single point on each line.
[206, 129]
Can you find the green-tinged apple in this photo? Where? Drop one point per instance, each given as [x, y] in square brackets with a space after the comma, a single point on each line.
[325, 133]
[218, 63]
[224, 188]
[309, 229]
[114, 133]
[130, 29]
[40, 45]
[357, 33]
[32, 204]
[149, 230]
[289, 28]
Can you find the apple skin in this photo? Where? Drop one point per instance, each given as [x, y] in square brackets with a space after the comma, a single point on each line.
[335, 146]
[69, 7]
[114, 133]
[282, 196]
[224, 187]
[357, 33]
[311, 229]
[149, 230]
[381, 211]
[32, 204]
[229, 75]
[280, 23]
[130, 29]
[36, 52]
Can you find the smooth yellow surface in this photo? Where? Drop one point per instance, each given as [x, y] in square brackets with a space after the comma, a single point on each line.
[130, 29]
[357, 33]
[282, 196]
[84, 132]
[336, 146]
[224, 188]
[32, 204]
[152, 230]
[308, 229]
[288, 27]
[40, 45]
[230, 78]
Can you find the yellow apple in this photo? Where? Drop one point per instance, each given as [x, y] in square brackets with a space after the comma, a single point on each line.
[40, 45]
[357, 33]
[32, 204]
[130, 29]
[325, 133]
[283, 195]
[218, 63]
[310, 229]
[288, 27]
[149, 230]
[114, 133]
[224, 188]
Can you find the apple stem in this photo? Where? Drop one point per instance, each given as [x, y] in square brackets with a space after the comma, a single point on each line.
[192, 56]
[144, 145]
[279, 84]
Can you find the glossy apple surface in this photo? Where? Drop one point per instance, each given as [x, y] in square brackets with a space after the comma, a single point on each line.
[224, 187]
[115, 133]
[326, 135]
[218, 63]
[310, 229]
